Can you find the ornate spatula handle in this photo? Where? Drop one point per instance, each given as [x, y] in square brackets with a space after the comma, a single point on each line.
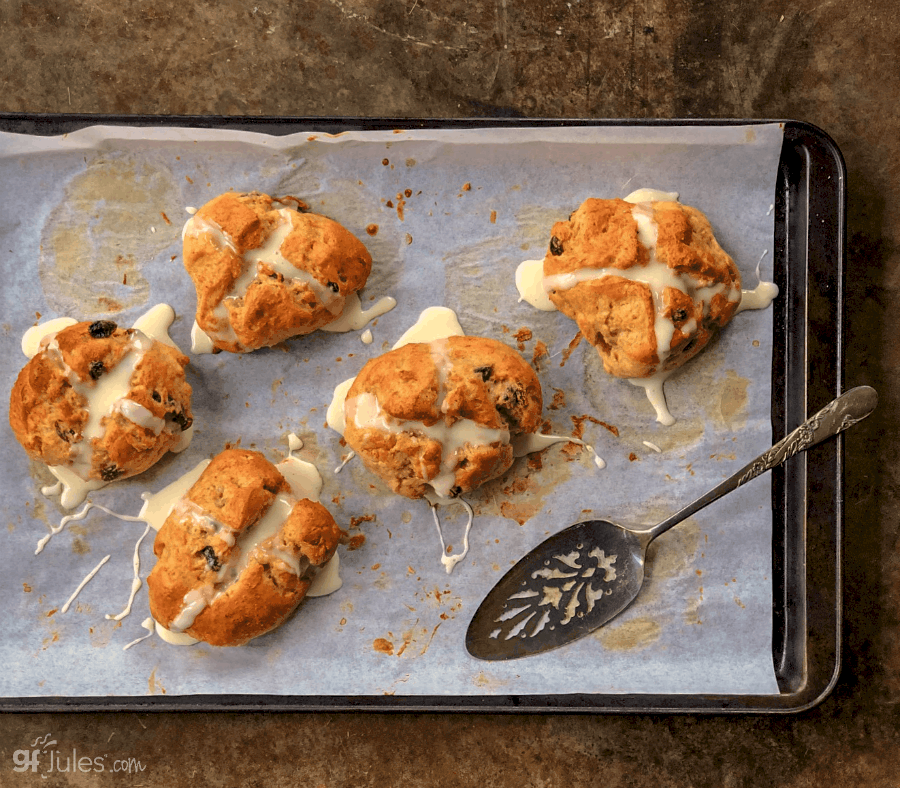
[835, 417]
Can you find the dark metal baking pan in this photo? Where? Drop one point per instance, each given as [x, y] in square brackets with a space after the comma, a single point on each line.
[807, 493]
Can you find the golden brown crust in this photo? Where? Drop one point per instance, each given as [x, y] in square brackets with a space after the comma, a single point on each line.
[274, 307]
[48, 403]
[616, 313]
[600, 234]
[439, 385]
[45, 412]
[199, 551]
[310, 531]
[237, 488]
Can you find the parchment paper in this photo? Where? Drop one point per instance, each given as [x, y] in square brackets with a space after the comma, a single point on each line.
[91, 226]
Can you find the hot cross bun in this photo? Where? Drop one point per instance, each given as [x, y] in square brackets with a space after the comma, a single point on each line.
[266, 270]
[647, 283]
[238, 552]
[106, 402]
[441, 416]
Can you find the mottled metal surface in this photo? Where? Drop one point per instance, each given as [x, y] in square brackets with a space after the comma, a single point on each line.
[830, 63]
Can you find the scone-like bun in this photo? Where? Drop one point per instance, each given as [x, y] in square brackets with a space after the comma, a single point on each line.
[441, 415]
[265, 270]
[237, 554]
[104, 401]
[647, 283]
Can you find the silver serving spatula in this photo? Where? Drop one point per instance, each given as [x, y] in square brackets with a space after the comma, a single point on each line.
[583, 576]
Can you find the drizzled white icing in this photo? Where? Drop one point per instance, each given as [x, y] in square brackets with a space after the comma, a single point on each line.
[52, 489]
[526, 443]
[156, 322]
[103, 397]
[530, 284]
[651, 195]
[149, 625]
[37, 336]
[69, 518]
[435, 322]
[197, 226]
[83, 583]
[173, 638]
[194, 602]
[344, 461]
[135, 580]
[201, 342]
[328, 579]
[158, 506]
[760, 297]
[653, 386]
[354, 317]
[73, 488]
[136, 560]
[450, 561]
[334, 416]
[138, 414]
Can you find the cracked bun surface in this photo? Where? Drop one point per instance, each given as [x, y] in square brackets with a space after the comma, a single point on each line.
[104, 401]
[647, 282]
[266, 270]
[441, 415]
[238, 552]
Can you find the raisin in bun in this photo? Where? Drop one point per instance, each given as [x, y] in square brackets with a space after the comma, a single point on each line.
[265, 270]
[647, 283]
[238, 552]
[441, 416]
[105, 402]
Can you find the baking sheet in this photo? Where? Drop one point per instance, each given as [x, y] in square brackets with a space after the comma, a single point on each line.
[94, 232]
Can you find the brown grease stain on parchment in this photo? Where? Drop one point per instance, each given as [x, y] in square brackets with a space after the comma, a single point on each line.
[96, 241]
[731, 406]
[671, 555]
[523, 491]
[489, 683]
[631, 635]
